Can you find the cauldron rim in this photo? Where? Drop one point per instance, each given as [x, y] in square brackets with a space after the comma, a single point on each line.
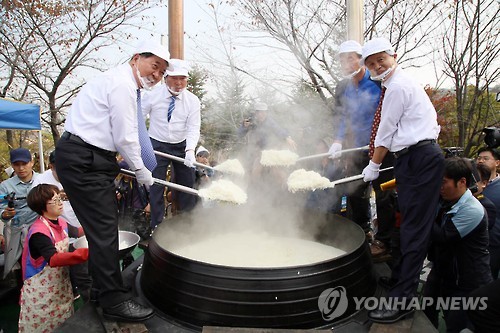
[266, 268]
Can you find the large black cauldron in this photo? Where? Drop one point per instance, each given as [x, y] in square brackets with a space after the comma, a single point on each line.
[201, 294]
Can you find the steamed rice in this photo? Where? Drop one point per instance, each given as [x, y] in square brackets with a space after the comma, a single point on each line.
[278, 157]
[231, 166]
[223, 190]
[302, 180]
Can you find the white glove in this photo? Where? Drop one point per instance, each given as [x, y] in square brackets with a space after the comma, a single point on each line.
[189, 159]
[144, 177]
[334, 150]
[371, 171]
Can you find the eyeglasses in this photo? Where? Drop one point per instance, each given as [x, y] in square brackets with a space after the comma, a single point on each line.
[55, 201]
[483, 158]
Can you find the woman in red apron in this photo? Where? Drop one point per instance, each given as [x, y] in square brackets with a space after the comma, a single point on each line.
[46, 296]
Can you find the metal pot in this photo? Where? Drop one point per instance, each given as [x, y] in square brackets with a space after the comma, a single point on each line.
[200, 294]
[127, 241]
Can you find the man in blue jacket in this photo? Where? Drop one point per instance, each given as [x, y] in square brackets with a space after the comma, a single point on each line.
[459, 243]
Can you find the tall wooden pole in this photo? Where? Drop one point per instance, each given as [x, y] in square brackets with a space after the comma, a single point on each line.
[176, 28]
[355, 20]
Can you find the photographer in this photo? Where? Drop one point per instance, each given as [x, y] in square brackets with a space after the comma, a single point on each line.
[15, 213]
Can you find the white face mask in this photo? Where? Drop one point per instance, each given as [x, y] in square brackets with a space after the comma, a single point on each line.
[353, 74]
[145, 83]
[382, 77]
[176, 93]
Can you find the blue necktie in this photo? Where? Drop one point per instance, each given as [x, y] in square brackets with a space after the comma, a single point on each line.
[147, 152]
[171, 108]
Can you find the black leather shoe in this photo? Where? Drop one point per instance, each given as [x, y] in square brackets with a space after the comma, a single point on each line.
[389, 316]
[128, 310]
[387, 282]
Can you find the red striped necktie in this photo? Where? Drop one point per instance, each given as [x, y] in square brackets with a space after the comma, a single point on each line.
[376, 123]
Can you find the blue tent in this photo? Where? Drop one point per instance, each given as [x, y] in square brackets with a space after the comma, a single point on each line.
[22, 116]
[18, 115]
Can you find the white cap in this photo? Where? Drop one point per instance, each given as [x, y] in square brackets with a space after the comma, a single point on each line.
[178, 67]
[201, 149]
[150, 46]
[350, 46]
[376, 45]
[260, 107]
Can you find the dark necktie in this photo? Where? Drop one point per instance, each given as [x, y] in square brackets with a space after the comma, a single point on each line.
[376, 123]
[171, 107]
[147, 152]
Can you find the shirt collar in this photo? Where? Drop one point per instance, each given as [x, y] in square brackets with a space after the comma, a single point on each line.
[465, 197]
[19, 181]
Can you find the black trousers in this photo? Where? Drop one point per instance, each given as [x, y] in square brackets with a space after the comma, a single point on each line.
[87, 174]
[183, 176]
[385, 202]
[419, 175]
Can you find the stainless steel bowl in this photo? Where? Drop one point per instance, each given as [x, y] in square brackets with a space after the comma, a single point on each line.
[127, 241]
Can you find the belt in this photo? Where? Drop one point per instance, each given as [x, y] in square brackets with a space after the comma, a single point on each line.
[75, 138]
[406, 150]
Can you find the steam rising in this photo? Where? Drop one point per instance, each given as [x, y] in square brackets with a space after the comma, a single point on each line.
[278, 158]
[271, 213]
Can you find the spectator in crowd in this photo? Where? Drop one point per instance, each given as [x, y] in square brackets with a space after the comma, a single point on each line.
[174, 128]
[50, 177]
[46, 296]
[15, 213]
[203, 175]
[79, 274]
[261, 132]
[483, 177]
[459, 244]
[490, 158]
[325, 200]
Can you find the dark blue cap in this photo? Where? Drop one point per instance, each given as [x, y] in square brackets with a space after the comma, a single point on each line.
[20, 155]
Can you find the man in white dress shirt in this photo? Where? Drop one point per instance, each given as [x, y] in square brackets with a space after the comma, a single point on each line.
[174, 128]
[409, 130]
[101, 122]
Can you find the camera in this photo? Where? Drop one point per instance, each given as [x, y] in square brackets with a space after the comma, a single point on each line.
[121, 190]
[10, 199]
[492, 136]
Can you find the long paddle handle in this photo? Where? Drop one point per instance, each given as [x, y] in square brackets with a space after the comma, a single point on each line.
[353, 178]
[180, 159]
[328, 154]
[178, 187]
